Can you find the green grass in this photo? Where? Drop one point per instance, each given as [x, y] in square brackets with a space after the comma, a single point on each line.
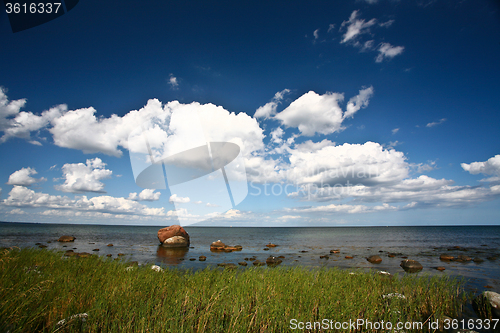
[38, 288]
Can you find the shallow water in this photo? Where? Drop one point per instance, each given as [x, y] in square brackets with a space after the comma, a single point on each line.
[424, 244]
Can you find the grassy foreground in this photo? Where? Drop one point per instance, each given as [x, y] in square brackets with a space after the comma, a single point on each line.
[39, 288]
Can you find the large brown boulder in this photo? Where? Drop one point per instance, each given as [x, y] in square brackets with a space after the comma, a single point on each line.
[173, 236]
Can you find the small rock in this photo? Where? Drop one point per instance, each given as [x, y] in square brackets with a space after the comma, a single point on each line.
[324, 257]
[446, 257]
[109, 255]
[266, 249]
[258, 263]
[95, 250]
[391, 255]
[252, 259]
[227, 265]
[192, 259]
[384, 273]
[42, 246]
[202, 258]
[492, 258]
[217, 246]
[374, 259]
[281, 257]
[109, 244]
[477, 260]
[440, 268]
[156, 268]
[271, 245]
[463, 258]
[411, 266]
[120, 254]
[242, 263]
[238, 247]
[303, 251]
[66, 239]
[335, 251]
[348, 257]
[272, 261]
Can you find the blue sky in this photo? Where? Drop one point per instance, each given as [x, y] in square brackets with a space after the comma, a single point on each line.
[363, 112]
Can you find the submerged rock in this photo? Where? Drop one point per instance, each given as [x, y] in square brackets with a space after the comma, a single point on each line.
[411, 266]
[202, 258]
[66, 239]
[446, 257]
[273, 261]
[463, 258]
[374, 259]
[173, 236]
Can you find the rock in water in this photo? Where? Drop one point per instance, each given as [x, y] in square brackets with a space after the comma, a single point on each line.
[173, 236]
[217, 246]
[489, 297]
[411, 266]
[66, 239]
[374, 259]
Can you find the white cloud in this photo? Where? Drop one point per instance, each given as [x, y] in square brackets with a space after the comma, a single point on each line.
[371, 2]
[21, 196]
[145, 195]
[232, 213]
[395, 130]
[312, 113]
[269, 109]
[289, 217]
[330, 28]
[435, 123]
[81, 177]
[80, 129]
[490, 167]
[369, 164]
[424, 167]
[23, 177]
[17, 211]
[356, 27]
[310, 146]
[386, 24]
[387, 51]
[276, 135]
[316, 34]
[343, 208]
[359, 101]
[173, 82]
[20, 124]
[175, 199]
[423, 191]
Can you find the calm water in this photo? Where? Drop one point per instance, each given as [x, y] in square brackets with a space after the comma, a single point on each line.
[424, 244]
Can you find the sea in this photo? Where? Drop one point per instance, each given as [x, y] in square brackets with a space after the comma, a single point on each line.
[299, 247]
